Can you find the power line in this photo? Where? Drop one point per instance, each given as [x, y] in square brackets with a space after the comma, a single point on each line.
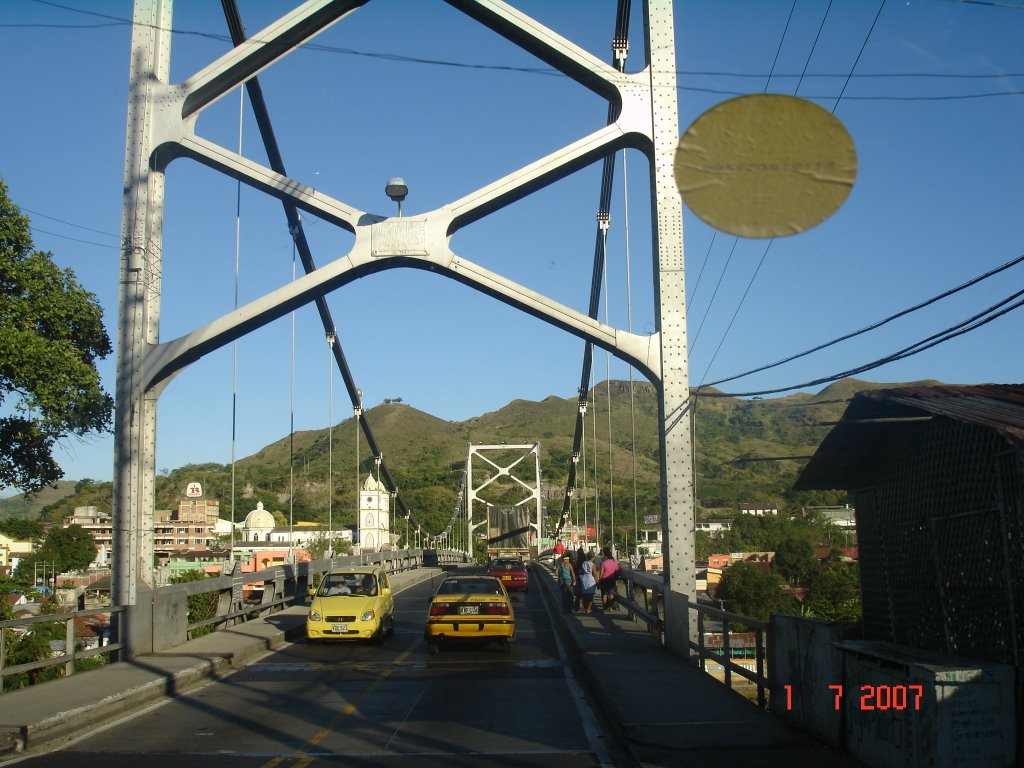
[966, 326]
[75, 239]
[548, 72]
[69, 223]
[877, 324]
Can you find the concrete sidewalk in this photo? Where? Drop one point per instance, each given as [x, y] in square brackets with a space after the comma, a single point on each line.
[70, 706]
[667, 712]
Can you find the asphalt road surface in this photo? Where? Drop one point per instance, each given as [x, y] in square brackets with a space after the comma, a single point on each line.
[366, 705]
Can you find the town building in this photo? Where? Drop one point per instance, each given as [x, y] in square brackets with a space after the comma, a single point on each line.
[719, 561]
[11, 553]
[759, 509]
[260, 537]
[715, 527]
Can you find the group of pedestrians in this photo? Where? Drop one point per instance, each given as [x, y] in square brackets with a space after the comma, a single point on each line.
[580, 577]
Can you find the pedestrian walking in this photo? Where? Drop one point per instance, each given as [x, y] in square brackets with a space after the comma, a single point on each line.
[588, 583]
[609, 573]
[567, 580]
[580, 559]
[558, 551]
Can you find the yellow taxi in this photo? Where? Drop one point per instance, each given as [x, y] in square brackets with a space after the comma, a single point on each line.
[470, 608]
[351, 604]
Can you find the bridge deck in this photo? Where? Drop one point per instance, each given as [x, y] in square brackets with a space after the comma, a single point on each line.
[666, 712]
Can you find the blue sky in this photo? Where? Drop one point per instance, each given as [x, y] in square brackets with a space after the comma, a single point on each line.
[935, 106]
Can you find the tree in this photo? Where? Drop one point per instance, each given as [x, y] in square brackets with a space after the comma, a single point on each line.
[69, 549]
[51, 335]
[21, 529]
[795, 561]
[749, 591]
[834, 596]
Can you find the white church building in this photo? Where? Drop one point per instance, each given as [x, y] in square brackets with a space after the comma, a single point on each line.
[374, 526]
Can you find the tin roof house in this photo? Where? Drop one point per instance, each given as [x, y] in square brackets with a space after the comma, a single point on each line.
[937, 477]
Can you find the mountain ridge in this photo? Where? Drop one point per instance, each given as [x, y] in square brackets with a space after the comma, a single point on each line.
[744, 453]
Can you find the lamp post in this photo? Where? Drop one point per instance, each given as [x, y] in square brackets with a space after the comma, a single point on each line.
[396, 189]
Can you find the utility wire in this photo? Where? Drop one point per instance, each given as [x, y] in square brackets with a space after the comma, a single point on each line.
[75, 239]
[69, 223]
[878, 324]
[764, 255]
[547, 71]
[966, 326]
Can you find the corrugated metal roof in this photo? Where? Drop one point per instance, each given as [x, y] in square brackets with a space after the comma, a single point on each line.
[875, 417]
[997, 406]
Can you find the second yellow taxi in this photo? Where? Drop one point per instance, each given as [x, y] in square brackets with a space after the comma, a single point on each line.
[470, 608]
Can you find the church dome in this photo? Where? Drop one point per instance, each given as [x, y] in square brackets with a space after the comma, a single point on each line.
[259, 518]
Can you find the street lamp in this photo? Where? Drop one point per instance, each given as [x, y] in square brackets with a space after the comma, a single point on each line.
[396, 189]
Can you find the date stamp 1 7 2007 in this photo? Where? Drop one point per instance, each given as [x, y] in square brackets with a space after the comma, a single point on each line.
[874, 698]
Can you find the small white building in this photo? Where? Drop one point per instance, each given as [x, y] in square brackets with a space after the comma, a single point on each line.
[759, 509]
[714, 527]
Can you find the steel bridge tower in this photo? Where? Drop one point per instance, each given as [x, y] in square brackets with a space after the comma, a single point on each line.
[161, 121]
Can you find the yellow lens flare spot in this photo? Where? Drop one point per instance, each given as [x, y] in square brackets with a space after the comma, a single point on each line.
[765, 165]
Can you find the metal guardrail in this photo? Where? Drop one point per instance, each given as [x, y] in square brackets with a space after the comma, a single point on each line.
[71, 651]
[283, 585]
[644, 599]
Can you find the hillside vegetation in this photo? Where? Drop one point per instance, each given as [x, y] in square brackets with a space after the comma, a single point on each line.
[747, 451]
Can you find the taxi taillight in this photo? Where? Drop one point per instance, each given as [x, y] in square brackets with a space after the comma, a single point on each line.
[499, 609]
[440, 609]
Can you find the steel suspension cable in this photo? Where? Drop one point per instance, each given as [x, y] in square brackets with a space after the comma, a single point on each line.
[234, 343]
[291, 431]
[620, 47]
[629, 328]
[330, 444]
[608, 389]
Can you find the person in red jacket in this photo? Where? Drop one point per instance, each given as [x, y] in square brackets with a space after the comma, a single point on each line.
[559, 551]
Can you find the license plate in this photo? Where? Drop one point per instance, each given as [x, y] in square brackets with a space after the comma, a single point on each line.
[466, 609]
[506, 578]
[339, 628]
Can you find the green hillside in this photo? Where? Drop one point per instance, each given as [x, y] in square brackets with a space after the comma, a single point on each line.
[29, 507]
[747, 451]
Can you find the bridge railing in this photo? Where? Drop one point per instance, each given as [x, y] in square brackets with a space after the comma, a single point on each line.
[283, 585]
[72, 642]
[642, 594]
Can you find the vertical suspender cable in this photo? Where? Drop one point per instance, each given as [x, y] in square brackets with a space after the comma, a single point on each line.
[291, 431]
[608, 388]
[629, 328]
[234, 344]
[583, 473]
[330, 444]
[358, 413]
[597, 492]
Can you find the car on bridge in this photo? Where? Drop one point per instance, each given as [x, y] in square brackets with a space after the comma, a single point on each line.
[510, 571]
[351, 604]
[470, 608]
